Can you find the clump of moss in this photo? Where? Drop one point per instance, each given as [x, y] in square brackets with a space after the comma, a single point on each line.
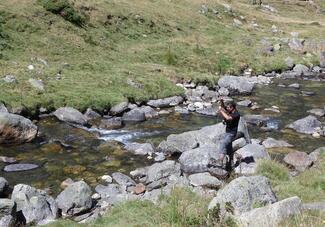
[64, 9]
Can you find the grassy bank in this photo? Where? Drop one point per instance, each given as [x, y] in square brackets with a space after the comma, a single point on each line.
[99, 53]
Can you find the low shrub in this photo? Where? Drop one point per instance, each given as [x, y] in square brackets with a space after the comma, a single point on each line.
[64, 9]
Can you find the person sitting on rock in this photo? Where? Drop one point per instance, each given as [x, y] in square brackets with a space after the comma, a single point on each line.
[231, 119]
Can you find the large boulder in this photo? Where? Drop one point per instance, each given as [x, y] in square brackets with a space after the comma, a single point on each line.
[70, 115]
[16, 129]
[75, 199]
[111, 123]
[307, 125]
[119, 108]
[36, 206]
[149, 112]
[300, 69]
[254, 152]
[258, 120]
[123, 179]
[204, 180]
[236, 85]
[242, 194]
[134, 115]
[179, 143]
[271, 215]
[162, 170]
[166, 102]
[198, 160]
[7, 213]
[299, 160]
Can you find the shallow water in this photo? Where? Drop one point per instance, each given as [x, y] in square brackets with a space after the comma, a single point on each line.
[65, 151]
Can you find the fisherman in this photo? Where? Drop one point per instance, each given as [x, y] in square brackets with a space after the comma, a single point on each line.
[231, 119]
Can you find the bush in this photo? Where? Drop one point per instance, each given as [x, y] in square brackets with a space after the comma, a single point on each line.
[64, 9]
[223, 64]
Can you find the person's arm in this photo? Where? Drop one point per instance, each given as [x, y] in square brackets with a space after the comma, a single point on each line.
[224, 114]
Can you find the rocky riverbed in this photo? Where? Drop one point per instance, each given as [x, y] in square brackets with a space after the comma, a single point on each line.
[137, 151]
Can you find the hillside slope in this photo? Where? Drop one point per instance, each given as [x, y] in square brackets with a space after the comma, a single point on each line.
[137, 50]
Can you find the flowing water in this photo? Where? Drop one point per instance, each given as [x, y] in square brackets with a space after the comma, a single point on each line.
[65, 151]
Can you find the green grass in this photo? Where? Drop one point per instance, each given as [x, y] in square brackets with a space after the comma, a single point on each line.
[152, 43]
[182, 208]
[306, 219]
[309, 186]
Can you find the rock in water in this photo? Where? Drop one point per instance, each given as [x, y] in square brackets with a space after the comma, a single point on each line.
[322, 59]
[271, 143]
[272, 214]
[166, 102]
[19, 167]
[242, 194]
[3, 186]
[119, 108]
[135, 115]
[16, 129]
[307, 125]
[236, 85]
[75, 199]
[70, 115]
[36, 206]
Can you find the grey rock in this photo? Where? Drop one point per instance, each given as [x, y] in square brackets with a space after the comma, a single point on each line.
[111, 123]
[161, 170]
[322, 59]
[9, 79]
[208, 111]
[36, 206]
[317, 112]
[315, 154]
[236, 85]
[296, 45]
[119, 108]
[318, 206]
[271, 215]
[19, 167]
[139, 172]
[258, 120]
[6, 159]
[149, 112]
[3, 186]
[135, 115]
[300, 69]
[237, 22]
[110, 190]
[181, 110]
[241, 194]
[307, 125]
[123, 179]
[289, 62]
[299, 160]
[91, 114]
[160, 157]
[204, 180]
[307, 93]
[3, 108]
[239, 143]
[166, 102]
[223, 91]
[246, 103]
[198, 160]
[140, 148]
[7, 213]
[271, 143]
[70, 115]
[37, 84]
[254, 151]
[289, 75]
[316, 69]
[246, 169]
[75, 199]
[218, 172]
[295, 85]
[16, 129]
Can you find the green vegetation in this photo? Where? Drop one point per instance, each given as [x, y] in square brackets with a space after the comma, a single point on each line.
[182, 208]
[309, 185]
[306, 219]
[64, 9]
[97, 51]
